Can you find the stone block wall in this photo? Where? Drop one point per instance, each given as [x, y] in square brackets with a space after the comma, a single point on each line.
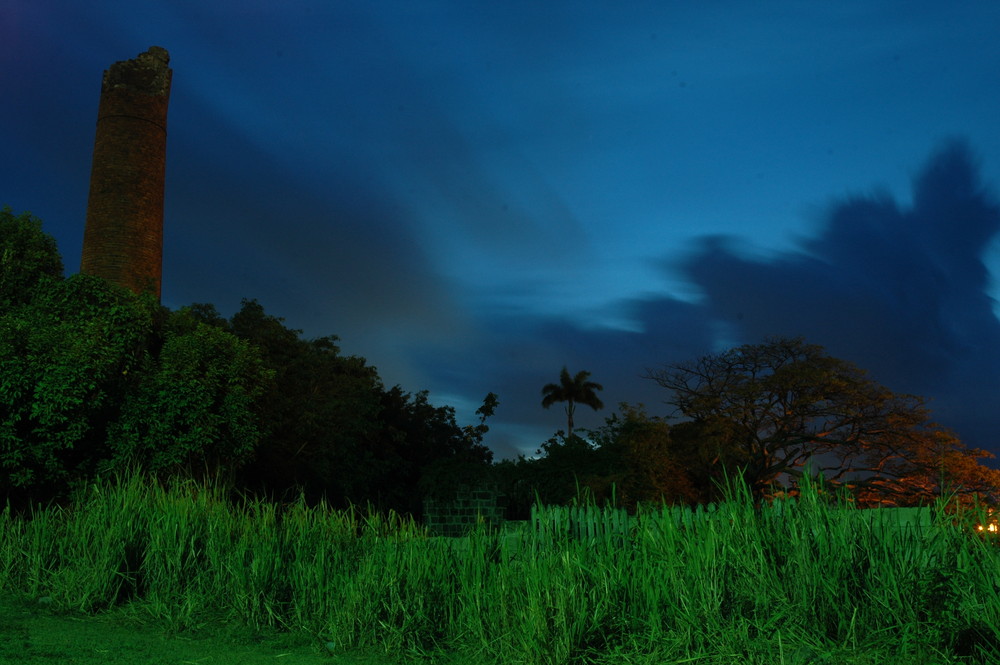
[459, 515]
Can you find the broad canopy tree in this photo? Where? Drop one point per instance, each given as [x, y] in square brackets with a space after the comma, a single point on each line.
[315, 413]
[769, 408]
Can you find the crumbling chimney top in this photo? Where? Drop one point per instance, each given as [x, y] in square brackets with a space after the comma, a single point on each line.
[147, 73]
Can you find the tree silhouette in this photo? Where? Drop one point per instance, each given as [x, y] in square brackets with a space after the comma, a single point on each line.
[573, 391]
[637, 453]
[769, 407]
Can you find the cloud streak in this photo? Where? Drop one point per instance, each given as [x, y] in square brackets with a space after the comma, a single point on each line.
[900, 290]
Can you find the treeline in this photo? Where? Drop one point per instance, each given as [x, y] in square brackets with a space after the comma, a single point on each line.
[97, 381]
[763, 413]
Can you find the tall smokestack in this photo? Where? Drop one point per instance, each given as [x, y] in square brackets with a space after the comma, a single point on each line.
[123, 238]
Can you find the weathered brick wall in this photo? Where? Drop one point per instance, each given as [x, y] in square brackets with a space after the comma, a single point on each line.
[458, 516]
[123, 238]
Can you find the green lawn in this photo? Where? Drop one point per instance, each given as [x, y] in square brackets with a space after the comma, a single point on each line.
[32, 634]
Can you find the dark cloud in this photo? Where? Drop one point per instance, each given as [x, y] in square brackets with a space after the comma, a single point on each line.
[898, 290]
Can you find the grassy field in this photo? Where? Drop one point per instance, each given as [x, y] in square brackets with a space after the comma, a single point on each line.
[138, 573]
[31, 634]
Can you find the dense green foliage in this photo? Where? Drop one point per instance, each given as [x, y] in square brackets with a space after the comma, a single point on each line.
[640, 458]
[315, 413]
[630, 460]
[68, 358]
[333, 431]
[96, 379]
[195, 404]
[28, 255]
[93, 377]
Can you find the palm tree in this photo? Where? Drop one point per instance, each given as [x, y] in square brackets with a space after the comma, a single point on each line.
[573, 391]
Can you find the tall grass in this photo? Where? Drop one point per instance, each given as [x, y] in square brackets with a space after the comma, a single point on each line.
[796, 582]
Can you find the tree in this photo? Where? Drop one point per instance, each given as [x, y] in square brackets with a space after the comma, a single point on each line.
[773, 406]
[469, 465]
[201, 393]
[28, 256]
[332, 431]
[67, 360]
[315, 416]
[413, 439]
[567, 466]
[636, 452]
[927, 464]
[703, 448]
[94, 378]
[573, 391]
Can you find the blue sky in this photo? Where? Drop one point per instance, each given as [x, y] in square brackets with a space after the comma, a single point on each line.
[474, 194]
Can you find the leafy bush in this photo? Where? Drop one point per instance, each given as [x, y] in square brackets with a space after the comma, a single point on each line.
[67, 360]
[28, 256]
[196, 401]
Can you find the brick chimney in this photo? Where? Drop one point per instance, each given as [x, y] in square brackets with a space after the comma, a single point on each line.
[123, 238]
